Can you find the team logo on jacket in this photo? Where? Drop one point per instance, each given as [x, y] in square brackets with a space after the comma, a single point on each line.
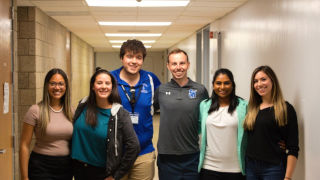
[192, 93]
[144, 88]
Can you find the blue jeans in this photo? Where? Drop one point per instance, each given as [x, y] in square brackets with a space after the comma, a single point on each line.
[178, 167]
[261, 170]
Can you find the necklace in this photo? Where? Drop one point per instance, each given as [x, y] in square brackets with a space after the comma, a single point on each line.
[56, 111]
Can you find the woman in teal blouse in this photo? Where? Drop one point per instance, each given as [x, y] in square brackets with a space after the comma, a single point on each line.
[223, 140]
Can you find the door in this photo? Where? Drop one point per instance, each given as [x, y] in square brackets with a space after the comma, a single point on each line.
[6, 150]
[205, 58]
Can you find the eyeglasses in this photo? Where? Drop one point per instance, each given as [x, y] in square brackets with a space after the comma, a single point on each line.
[55, 84]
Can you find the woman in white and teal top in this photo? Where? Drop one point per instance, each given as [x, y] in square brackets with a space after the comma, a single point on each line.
[223, 142]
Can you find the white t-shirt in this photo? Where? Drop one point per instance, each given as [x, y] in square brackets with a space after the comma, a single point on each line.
[221, 151]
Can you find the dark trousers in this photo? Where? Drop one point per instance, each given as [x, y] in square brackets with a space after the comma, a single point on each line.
[178, 167]
[261, 170]
[44, 167]
[206, 174]
[84, 171]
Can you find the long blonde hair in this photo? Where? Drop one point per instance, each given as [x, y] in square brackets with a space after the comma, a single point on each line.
[44, 117]
[279, 104]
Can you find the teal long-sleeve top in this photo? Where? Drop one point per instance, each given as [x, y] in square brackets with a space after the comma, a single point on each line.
[241, 139]
[89, 143]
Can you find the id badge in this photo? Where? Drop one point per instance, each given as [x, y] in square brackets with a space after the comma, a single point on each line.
[134, 118]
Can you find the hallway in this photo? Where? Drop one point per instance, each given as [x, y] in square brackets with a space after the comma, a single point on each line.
[235, 34]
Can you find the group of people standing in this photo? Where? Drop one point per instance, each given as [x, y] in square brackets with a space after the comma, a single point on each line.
[109, 135]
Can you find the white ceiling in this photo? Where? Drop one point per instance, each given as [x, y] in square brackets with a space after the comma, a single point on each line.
[82, 20]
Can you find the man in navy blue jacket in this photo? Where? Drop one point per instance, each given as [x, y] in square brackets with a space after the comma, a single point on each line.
[136, 88]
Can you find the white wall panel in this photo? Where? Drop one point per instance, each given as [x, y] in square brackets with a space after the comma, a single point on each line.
[285, 35]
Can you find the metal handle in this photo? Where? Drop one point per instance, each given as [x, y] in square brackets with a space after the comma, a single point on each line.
[2, 151]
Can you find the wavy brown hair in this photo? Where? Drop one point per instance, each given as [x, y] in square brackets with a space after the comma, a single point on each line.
[133, 45]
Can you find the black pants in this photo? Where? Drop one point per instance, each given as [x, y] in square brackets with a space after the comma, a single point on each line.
[214, 175]
[44, 167]
[84, 171]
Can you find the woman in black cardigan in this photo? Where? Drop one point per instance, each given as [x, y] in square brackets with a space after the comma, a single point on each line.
[270, 119]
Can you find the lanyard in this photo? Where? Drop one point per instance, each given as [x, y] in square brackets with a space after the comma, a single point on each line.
[132, 100]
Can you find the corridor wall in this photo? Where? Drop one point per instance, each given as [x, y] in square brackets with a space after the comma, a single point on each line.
[41, 43]
[82, 67]
[40, 46]
[285, 35]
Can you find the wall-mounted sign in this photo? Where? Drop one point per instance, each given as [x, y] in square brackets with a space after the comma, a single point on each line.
[5, 98]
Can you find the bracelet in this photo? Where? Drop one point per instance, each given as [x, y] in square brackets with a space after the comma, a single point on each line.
[287, 178]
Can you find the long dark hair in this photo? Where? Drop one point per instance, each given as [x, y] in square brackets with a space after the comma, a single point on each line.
[91, 117]
[65, 101]
[234, 101]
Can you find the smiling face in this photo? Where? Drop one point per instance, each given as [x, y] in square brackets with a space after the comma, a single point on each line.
[131, 62]
[56, 87]
[178, 65]
[223, 86]
[262, 84]
[102, 86]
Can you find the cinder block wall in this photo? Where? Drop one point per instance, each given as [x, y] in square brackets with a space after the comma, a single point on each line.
[43, 44]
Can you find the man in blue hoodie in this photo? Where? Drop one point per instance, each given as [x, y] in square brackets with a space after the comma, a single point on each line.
[136, 88]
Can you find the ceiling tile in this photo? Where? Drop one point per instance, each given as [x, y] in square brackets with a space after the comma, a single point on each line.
[83, 20]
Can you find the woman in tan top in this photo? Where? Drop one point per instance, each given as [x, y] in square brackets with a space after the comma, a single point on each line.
[50, 121]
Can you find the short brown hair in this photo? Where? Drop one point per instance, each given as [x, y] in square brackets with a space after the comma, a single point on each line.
[177, 51]
[133, 45]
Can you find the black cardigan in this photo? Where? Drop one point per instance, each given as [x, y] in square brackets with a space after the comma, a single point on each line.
[266, 134]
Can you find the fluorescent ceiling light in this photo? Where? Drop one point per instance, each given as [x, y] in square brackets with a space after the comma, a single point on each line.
[148, 41]
[133, 3]
[119, 46]
[116, 46]
[103, 23]
[132, 35]
[121, 41]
